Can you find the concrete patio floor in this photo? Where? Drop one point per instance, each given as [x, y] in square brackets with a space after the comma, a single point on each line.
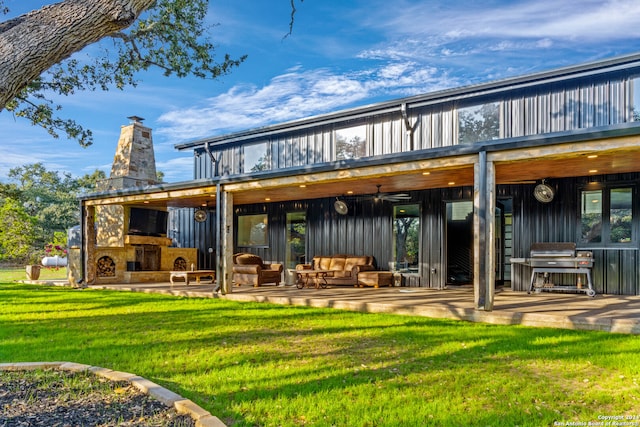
[611, 313]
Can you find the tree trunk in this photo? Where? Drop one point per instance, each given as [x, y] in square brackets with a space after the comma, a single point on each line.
[34, 42]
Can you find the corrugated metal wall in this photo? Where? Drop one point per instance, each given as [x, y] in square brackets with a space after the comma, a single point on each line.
[547, 108]
[616, 269]
[365, 230]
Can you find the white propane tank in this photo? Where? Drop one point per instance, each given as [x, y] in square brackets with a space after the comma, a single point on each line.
[54, 261]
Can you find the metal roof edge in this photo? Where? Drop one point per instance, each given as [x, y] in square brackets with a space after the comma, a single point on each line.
[176, 186]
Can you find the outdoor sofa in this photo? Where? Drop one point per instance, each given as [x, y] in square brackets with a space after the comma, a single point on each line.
[350, 270]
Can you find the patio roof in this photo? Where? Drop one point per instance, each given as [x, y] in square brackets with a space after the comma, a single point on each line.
[608, 150]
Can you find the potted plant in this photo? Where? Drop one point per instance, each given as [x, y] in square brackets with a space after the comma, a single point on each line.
[33, 268]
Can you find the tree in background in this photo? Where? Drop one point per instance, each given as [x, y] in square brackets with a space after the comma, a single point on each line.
[17, 231]
[47, 200]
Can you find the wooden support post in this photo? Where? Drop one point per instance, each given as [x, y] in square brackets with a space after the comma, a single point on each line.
[483, 233]
[226, 208]
[89, 241]
[490, 222]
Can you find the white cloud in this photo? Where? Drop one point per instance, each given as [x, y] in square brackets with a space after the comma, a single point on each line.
[586, 19]
[298, 93]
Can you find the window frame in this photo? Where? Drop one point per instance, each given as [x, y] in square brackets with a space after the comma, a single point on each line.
[606, 191]
[413, 267]
[477, 106]
[267, 157]
[241, 231]
[336, 132]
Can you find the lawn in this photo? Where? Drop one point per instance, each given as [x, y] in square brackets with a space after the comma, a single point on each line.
[16, 274]
[260, 364]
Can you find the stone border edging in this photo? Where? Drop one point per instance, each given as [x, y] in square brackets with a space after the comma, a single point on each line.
[201, 417]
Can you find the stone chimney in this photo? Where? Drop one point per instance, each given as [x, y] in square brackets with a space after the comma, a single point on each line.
[134, 164]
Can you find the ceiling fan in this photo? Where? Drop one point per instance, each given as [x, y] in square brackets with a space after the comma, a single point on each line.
[340, 207]
[390, 197]
[543, 192]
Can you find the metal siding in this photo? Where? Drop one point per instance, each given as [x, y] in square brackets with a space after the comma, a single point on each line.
[378, 139]
[600, 98]
[531, 115]
[544, 113]
[448, 133]
[557, 111]
[587, 108]
[436, 130]
[615, 269]
[572, 109]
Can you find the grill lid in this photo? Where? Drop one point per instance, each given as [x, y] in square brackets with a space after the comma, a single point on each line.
[553, 249]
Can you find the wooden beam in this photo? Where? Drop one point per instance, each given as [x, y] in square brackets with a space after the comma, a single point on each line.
[372, 172]
[576, 149]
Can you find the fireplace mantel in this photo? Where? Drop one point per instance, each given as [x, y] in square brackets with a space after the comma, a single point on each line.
[131, 239]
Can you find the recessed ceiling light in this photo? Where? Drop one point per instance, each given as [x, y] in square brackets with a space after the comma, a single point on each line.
[146, 202]
[452, 183]
[426, 173]
[204, 205]
[592, 156]
[303, 186]
[350, 192]
[593, 171]
[267, 198]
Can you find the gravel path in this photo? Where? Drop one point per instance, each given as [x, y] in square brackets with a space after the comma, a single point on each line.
[55, 398]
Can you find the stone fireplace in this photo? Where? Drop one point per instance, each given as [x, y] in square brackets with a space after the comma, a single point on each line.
[124, 254]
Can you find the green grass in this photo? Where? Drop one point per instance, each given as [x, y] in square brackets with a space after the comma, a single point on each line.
[269, 365]
[16, 274]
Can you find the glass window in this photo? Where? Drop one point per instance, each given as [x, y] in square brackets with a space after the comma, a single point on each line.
[255, 157]
[406, 238]
[606, 215]
[351, 142]
[635, 99]
[253, 230]
[591, 216]
[296, 238]
[479, 123]
[620, 215]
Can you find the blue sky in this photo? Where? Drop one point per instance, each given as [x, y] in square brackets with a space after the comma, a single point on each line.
[342, 54]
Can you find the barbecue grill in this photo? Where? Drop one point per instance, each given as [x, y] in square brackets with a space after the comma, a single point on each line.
[559, 257]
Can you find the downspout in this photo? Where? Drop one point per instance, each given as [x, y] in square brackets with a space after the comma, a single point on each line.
[216, 162]
[409, 129]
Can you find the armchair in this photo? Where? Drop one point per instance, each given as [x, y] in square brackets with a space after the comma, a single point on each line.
[250, 270]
